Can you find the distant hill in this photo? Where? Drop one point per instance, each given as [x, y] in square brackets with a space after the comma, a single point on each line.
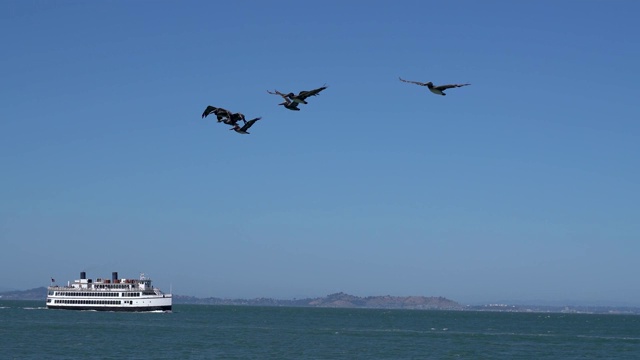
[33, 294]
[337, 300]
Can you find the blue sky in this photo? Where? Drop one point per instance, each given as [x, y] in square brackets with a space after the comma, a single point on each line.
[524, 186]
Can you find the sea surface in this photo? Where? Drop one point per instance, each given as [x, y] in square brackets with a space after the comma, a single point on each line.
[30, 331]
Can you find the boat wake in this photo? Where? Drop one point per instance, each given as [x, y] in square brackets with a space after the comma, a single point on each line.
[156, 312]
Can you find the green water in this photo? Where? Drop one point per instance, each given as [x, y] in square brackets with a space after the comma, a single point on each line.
[29, 331]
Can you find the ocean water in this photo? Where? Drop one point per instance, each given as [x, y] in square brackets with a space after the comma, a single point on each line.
[30, 331]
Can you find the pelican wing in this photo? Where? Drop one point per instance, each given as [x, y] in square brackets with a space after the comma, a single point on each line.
[450, 86]
[305, 94]
[249, 123]
[276, 92]
[413, 82]
[208, 111]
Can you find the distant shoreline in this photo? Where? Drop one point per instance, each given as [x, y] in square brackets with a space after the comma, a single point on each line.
[343, 300]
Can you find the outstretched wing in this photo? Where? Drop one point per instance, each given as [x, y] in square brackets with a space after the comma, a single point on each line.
[249, 123]
[450, 86]
[208, 111]
[305, 94]
[276, 92]
[413, 82]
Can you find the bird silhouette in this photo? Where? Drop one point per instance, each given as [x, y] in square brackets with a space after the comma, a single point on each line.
[436, 89]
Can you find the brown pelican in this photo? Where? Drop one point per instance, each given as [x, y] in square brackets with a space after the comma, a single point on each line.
[291, 105]
[245, 127]
[220, 113]
[302, 95]
[439, 90]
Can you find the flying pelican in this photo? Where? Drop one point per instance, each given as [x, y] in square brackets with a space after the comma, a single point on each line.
[245, 127]
[438, 90]
[302, 95]
[291, 105]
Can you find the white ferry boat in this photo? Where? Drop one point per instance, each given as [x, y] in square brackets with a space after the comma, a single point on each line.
[108, 295]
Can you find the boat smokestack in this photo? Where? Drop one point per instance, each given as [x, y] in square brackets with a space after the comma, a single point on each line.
[114, 276]
[83, 275]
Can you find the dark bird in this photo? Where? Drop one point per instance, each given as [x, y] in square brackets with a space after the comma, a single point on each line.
[245, 127]
[439, 90]
[291, 105]
[302, 95]
[220, 113]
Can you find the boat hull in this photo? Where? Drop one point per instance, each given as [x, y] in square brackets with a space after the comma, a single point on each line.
[111, 308]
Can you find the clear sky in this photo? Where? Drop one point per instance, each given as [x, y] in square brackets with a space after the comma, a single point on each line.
[524, 186]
